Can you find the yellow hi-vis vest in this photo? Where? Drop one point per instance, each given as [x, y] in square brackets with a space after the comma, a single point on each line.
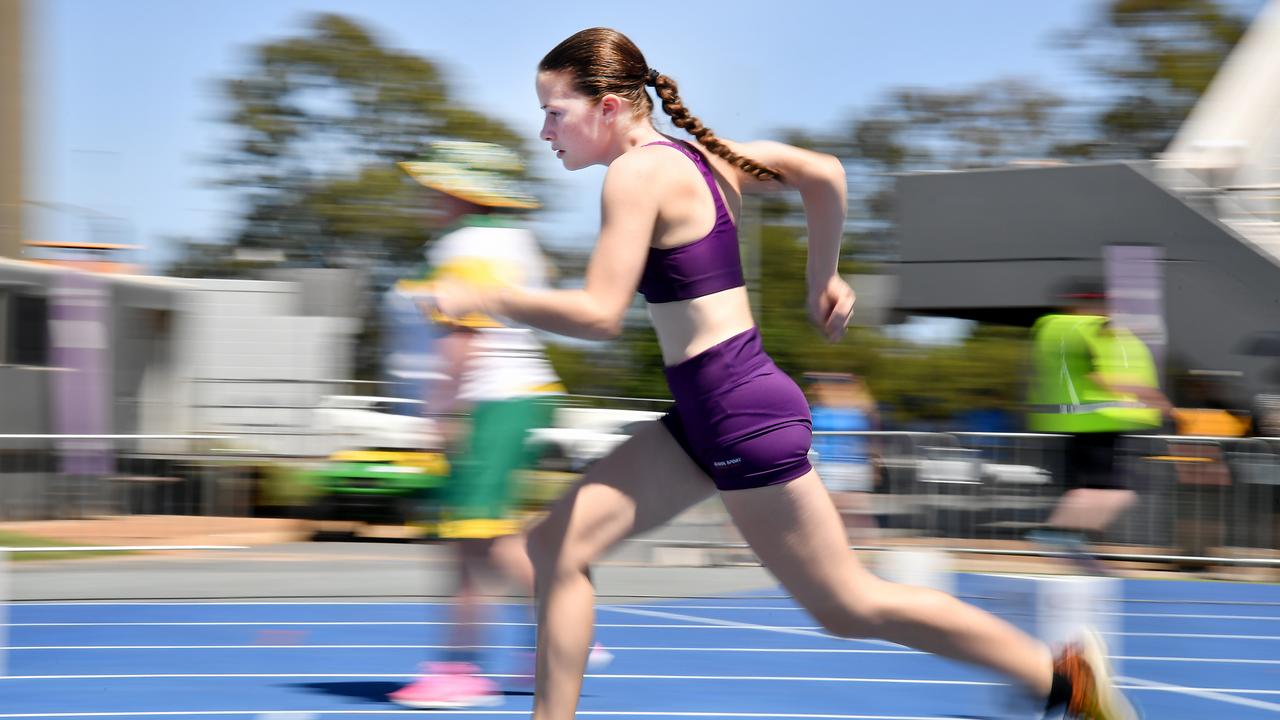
[1068, 349]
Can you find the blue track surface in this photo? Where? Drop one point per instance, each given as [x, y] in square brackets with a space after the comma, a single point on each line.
[1189, 650]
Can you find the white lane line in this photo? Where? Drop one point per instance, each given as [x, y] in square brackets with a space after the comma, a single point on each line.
[485, 712]
[269, 646]
[612, 648]
[793, 608]
[610, 676]
[1128, 683]
[1201, 636]
[278, 623]
[1225, 661]
[255, 623]
[698, 623]
[781, 608]
[1219, 694]
[816, 631]
[231, 603]
[716, 622]
[1193, 616]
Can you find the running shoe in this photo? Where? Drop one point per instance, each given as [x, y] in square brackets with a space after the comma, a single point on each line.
[1093, 692]
[448, 686]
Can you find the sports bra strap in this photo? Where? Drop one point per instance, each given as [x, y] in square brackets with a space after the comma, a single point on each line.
[703, 168]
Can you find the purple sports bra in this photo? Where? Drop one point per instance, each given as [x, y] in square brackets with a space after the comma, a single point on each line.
[704, 266]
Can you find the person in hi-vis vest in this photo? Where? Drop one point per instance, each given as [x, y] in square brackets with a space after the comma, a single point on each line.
[1094, 381]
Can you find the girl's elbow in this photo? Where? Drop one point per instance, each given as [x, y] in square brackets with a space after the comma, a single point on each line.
[603, 317]
[606, 328]
[820, 173]
[833, 170]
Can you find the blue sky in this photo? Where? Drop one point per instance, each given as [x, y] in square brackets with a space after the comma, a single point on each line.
[124, 111]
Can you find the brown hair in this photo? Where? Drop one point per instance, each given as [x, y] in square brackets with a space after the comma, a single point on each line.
[602, 61]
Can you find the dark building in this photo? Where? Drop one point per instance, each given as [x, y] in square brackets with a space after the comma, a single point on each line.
[993, 245]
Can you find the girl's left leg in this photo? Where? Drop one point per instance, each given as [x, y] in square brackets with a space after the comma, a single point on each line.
[797, 533]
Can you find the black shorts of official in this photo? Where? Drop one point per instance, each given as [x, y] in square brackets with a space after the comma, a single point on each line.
[1091, 461]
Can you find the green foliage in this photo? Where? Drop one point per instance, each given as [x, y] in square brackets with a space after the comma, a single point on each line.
[1160, 55]
[319, 122]
[921, 382]
[630, 366]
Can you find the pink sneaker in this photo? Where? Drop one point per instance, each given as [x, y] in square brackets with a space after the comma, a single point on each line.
[448, 686]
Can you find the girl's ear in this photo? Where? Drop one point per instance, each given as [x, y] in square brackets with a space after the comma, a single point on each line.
[610, 107]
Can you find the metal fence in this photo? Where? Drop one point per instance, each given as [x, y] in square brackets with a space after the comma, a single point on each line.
[51, 477]
[1198, 497]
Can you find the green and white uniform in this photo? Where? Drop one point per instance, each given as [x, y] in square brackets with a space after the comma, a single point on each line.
[507, 379]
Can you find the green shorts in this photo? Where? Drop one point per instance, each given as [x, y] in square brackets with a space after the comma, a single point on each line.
[483, 483]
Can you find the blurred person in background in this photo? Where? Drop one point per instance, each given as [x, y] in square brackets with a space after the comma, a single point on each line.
[500, 386]
[739, 425]
[841, 402]
[1094, 381]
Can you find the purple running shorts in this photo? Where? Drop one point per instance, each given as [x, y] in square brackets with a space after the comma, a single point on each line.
[740, 418]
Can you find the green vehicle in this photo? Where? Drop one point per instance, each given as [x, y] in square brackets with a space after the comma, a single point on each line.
[378, 486]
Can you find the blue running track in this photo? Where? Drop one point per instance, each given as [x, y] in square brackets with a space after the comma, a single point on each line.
[1185, 650]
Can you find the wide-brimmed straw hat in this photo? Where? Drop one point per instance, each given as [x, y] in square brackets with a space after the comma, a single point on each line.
[478, 172]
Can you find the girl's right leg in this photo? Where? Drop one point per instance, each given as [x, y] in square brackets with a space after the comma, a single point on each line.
[642, 484]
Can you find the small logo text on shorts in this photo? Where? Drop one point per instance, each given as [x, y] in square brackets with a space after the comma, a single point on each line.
[726, 463]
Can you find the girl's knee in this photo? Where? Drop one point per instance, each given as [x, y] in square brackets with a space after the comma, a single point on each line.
[862, 617]
[849, 623]
[554, 553]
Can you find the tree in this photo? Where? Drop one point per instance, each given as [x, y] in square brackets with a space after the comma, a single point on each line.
[319, 121]
[916, 129]
[1160, 55]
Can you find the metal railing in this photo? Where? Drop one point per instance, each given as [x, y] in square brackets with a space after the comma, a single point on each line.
[49, 477]
[1201, 500]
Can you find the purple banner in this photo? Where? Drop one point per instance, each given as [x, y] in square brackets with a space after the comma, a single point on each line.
[1135, 294]
[79, 350]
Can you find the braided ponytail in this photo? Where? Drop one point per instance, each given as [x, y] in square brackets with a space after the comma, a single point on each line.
[669, 95]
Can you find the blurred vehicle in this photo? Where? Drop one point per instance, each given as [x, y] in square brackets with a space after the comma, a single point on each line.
[368, 421]
[387, 463]
[583, 435]
[378, 485]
